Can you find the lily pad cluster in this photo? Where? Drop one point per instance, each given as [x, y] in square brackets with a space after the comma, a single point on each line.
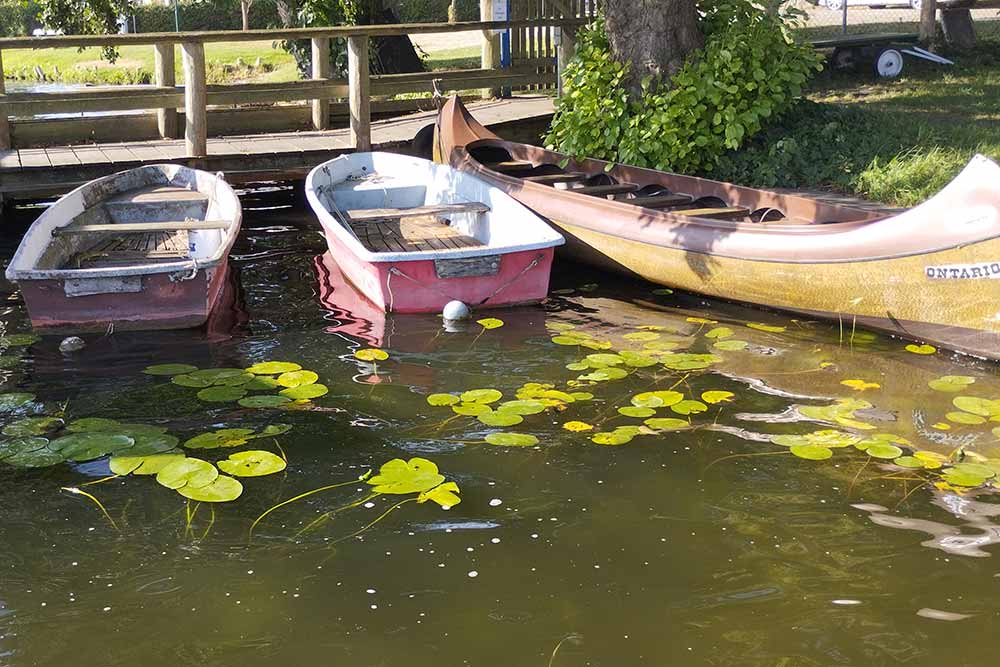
[268, 384]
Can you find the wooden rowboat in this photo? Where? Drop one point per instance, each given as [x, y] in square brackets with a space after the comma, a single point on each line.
[142, 249]
[412, 235]
[930, 274]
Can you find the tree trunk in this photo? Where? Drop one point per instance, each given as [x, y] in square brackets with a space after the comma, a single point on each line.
[928, 22]
[654, 35]
[958, 29]
[245, 11]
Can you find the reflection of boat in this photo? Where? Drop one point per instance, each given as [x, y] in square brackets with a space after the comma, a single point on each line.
[931, 273]
[142, 249]
[414, 235]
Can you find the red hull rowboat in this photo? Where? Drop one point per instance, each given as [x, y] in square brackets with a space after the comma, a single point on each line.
[412, 235]
[142, 249]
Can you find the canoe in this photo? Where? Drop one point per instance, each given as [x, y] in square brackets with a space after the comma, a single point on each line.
[412, 235]
[930, 274]
[142, 249]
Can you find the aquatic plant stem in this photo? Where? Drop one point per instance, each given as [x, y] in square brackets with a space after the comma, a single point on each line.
[377, 519]
[278, 445]
[79, 492]
[327, 515]
[211, 522]
[850, 489]
[300, 497]
[739, 456]
[99, 481]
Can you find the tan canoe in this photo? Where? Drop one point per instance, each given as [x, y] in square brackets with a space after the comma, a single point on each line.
[930, 274]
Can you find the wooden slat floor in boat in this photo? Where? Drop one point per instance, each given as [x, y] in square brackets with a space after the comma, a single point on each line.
[141, 248]
[413, 234]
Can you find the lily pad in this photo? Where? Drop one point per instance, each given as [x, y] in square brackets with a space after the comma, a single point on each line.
[187, 472]
[191, 381]
[612, 438]
[371, 354]
[226, 437]
[689, 407]
[17, 446]
[261, 383]
[683, 361]
[908, 462]
[305, 392]
[440, 400]
[657, 399]
[235, 380]
[12, 401]
[272, 430]
[253, 463]
[500, 418]
[717, 396]
[400, 477]
[860, 385]
[523, 407]
[169, 369]
[264, 401]
[637, 360]
[731, 345]
[951, 383]
[148, 439]
[445, 495]
[884, 451]
[92, 425]
[37, 458]
[977, 406]
[921, 349]
[770, 328]
[634, 411]
[965, 418]
[32, 426]
[484, 396]
[89, 446]
[960, 478]
[577, 426]
[490, 323]
[666, 423]
[143, 465]
[471, 409]
[811, 452]
[512, 439]
[642, 336]
[216, 374]
[221, 394]
[603, 360]
[719, 333]
[222, 489]
[567, 340]
[273, 367]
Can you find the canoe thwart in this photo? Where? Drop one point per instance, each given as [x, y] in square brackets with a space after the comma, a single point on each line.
[365, 214]
[659, 201]
[140, 227]
[552, 179]
[605, 190]
[509, 166]
[727, 213]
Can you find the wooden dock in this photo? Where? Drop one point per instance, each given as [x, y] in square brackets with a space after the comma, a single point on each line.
[29, 172]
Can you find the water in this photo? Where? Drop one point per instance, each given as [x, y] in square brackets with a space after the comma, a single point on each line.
[659, 551]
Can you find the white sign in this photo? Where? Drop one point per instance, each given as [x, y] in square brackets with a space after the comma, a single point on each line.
[499, 13]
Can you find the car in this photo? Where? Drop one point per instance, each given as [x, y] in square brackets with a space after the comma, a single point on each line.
[837, 5]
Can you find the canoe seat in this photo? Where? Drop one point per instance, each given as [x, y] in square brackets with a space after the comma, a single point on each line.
[127, 249]
[509, 166]
[369, 214]
[606, 190]
[552, 179]
[727, 213]
[659, 201]
[410, 234]
[141, 227]
[157, 203]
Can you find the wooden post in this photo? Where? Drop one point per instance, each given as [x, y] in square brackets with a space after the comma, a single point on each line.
[565, 52]
[4, 123]
[195, 100]
[928, 22]
[166, 119]
[491, 44]
[321, 70]
[359, 81]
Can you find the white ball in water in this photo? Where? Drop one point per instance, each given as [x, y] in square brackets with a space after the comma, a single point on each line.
[455, 310]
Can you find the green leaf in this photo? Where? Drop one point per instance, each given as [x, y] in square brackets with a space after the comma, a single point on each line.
[500, 418]
[264, 401]
[401, 477]
[612, 438]
[445, 495]
[490, 323]
[143, 465]
[17, 446]
[512, 439]
[32, 426]
[484, 396]
[523, 407]
[441, 400]
[221, 394]
[191, 381]
[305, 392]
[169, 369]
[88, 446]
[689, 407]
[297, 378]
[92, 424]
[371, 354]
[633, 411]
[273, 367]
[226, 437]
[220, 490]
[12, 401]
[187, 472]
[253, 463]
[272, 430]
[811, 452]
[713, 397]
[666, 423]
[977, 406]
[657, 399]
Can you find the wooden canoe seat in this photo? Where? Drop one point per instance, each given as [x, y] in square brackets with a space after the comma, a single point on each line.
[141, 227]
[728, 213]
[659, 201]
[509, 166]
[605, 190]
[552, 179]
[371, 214]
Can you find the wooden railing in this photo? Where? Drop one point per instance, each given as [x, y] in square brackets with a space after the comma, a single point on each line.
[195, 96]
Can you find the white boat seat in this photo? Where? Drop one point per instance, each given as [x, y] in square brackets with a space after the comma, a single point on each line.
[369, 214]
[141, 227]
[155, 203]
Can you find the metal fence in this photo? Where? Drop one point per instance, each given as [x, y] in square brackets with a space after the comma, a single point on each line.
[832, 18]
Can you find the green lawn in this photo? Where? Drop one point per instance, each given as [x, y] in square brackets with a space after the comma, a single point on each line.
[896, 142]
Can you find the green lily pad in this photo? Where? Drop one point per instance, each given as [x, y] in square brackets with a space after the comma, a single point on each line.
[445, 495]
[20, 340]
[235, 380]
[264, 401]
[471, 409]
[811, 452]
[612, 438]
[484, 396]
[148, 439]
[273, 367]
[12, 401]
[884, 451]
[261, 383]
[567, 340]
[657, 399]
[689, 361]
[297, 378]
[37, 458]
[187, 472]
[666, 423]
[442, 400]
[222, 489]
[169, 369]
[717, 396]
[689, 407]
[719, 333]
[272, 430]
[603, 360]
[909, 462]
[642, 336]
[637, 360]
[92, 425]
[17, 446]
[977, 406]
[305, 392]
[226, 437]
[765, 327]
[149, 464]
[32, 426]
[965, 418]
[977, 469]
[960, 478]
[512, 439]
[371, 354]
[634, 411]
[500, 418]
[216, 374]
[191, 381]
[582, 396]
[523, 407]
[490, 323]
[253, 463]
[89, 446]
[951, 383]
[401, 477]
[221, 394]
[731, 345]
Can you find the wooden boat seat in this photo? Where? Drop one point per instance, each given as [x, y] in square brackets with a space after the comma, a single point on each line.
[727, 213]
[509, 166]
[147, 247]
[155, 203]
[369, 214]
[606, 190]
[659, 201]
[141, 227]
[410, 234]
[552, 179]
[157, 194]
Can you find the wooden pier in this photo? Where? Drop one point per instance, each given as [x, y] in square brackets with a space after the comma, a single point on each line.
[262, 131]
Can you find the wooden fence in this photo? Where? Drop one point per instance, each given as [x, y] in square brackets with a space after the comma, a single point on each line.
[195, 97]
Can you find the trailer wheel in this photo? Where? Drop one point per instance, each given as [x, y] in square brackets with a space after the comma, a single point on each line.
[889, 63]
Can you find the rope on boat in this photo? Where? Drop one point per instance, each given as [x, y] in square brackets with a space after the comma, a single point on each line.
[399, 272]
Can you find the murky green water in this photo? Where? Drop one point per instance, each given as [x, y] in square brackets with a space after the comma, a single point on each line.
[659, 551]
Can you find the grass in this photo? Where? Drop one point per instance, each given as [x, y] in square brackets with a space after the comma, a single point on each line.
[896, 142]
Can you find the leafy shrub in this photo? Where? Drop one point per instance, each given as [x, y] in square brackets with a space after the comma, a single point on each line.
[748, 72]
[18, 18]
[204, 15]
[433, 11]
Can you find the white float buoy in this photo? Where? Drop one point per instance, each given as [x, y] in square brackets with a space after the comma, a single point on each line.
[72, 344]
[455, 310]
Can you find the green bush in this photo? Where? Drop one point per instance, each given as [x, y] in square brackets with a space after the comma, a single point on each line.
[433, 11]
[18, 18]
[203, 15]
[748, 72]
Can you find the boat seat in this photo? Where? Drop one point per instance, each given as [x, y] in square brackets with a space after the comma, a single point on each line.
[605, 190]
[659, 201]
[727, 213]
[140, 227]
[509, 166]
[155, 203]
[410, 234]
[372, 214]
[552, 179]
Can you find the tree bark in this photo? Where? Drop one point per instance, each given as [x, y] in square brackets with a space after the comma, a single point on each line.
[245, 11]
[655, 36]
[928, 22]
[958, 29]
